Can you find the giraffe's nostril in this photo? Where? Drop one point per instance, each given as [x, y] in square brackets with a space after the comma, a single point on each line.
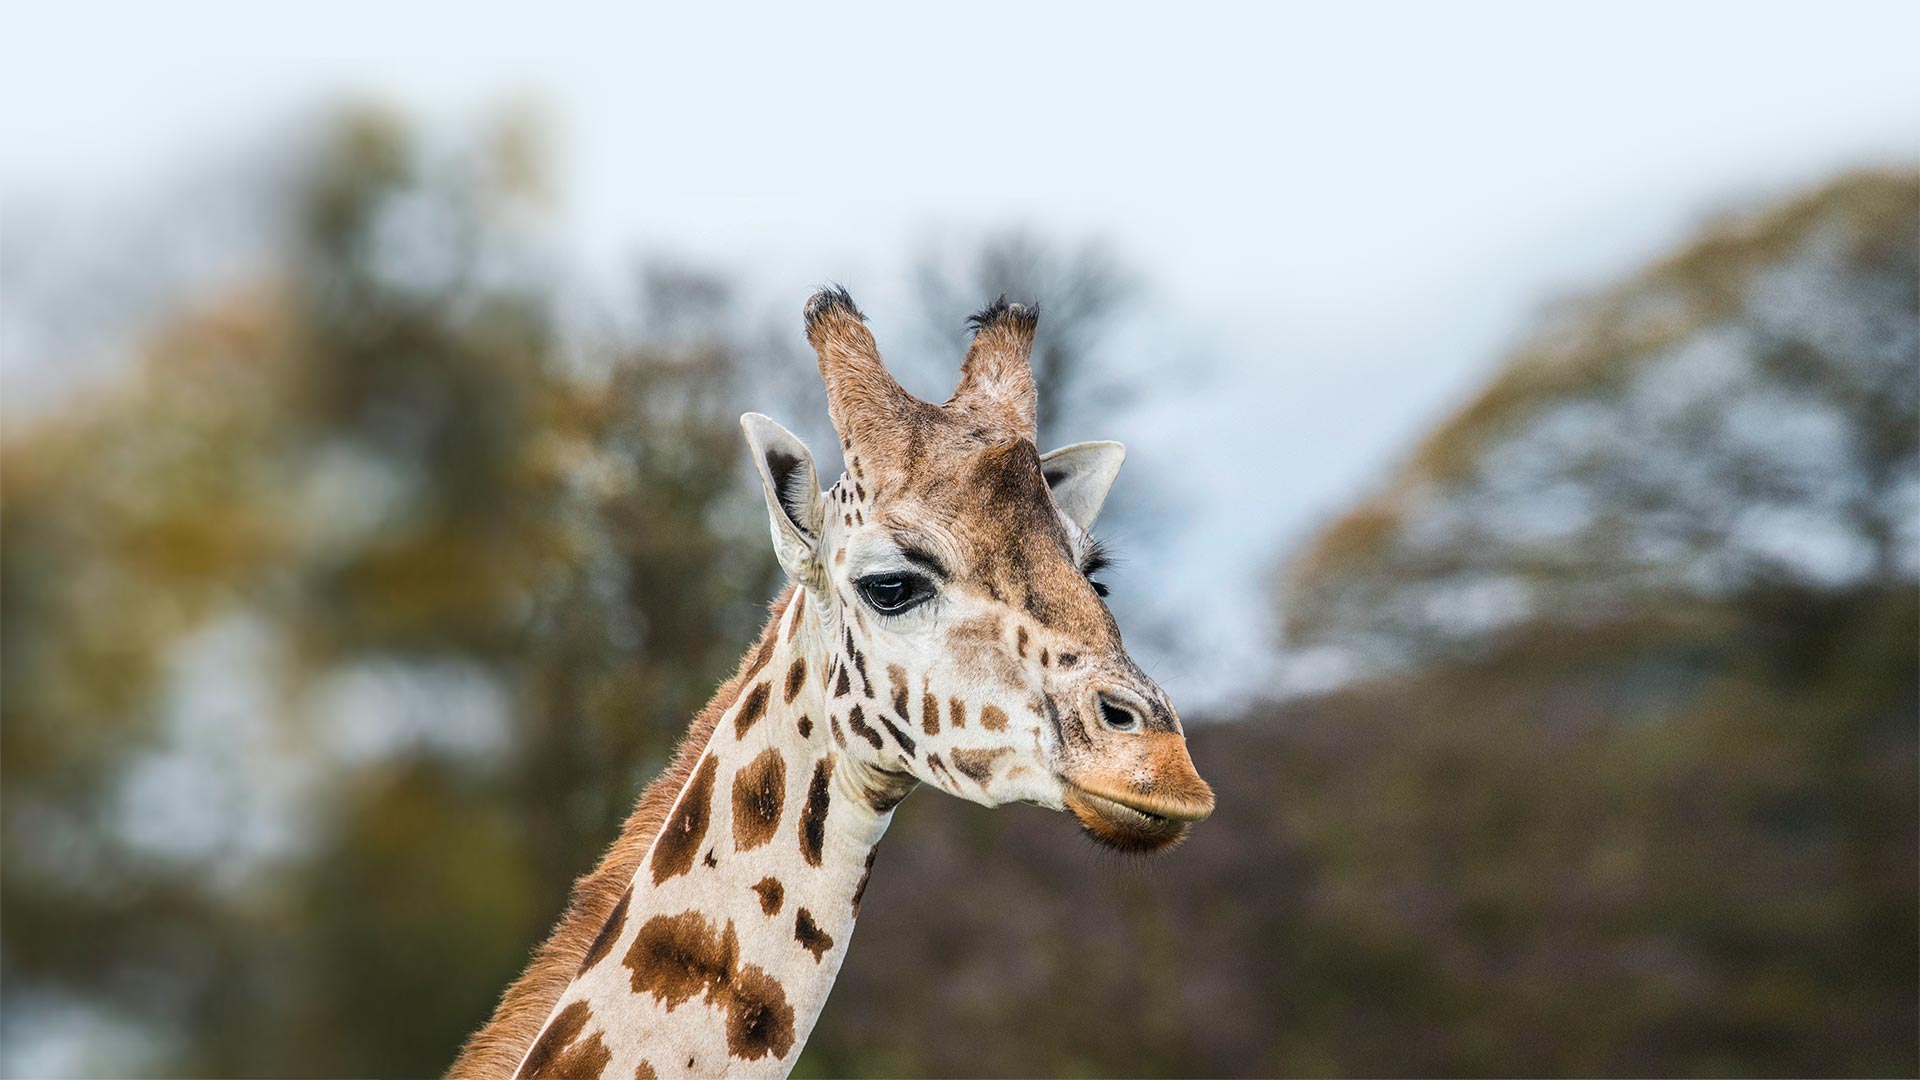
[1117, 716]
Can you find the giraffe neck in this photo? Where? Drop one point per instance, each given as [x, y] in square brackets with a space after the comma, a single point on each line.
[719, 957]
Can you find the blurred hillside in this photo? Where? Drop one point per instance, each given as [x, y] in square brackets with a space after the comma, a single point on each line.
[1741, 414]
[1678, 846]
[340, 633]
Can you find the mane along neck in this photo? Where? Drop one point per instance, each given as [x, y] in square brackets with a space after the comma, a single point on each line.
[674, 952]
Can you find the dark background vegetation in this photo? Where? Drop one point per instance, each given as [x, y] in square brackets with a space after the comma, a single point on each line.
[341, 630]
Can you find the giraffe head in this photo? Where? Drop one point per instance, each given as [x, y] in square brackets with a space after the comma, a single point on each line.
[950, 568]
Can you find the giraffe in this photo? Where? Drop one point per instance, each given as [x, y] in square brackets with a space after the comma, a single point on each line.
[941, 627]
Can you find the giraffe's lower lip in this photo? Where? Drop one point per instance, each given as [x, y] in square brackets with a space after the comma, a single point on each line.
[1118, 825]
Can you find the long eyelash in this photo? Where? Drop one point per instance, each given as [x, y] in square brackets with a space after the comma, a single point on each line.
[1097, 557]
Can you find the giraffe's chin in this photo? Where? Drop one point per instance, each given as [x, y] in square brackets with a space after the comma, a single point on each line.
[1121, 827]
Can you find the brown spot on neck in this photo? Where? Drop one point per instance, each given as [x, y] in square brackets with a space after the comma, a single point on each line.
[860, 890]
[759, 1020]
[796, 678]
[679, 841]
[765, 654]
[759, 794]
[561, 1054]
[771, 894]
[752, 708]
[674, 957]
[603, 941]
[498, 1048]
[810, 936]
[813, 819]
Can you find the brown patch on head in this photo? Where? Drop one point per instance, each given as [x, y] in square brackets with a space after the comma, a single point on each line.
[1017, 550]
[603, 941]
[897, 682]
[561, 1054]
[1066, 724]
[860, 664]
[771, 893]
[813, 819]
[976, 763]
[679, 840]
[905, 740]
[796, 678]
[1020, 642]
[644, 1071]
[977, 647]
[857, 720]
[956, 712]
[806, 727]
[759, 1020]
[993, 718]
[752, 708]
[842, 687]
[674, 957]
[929, 713]
[759, 794]
[810, 936]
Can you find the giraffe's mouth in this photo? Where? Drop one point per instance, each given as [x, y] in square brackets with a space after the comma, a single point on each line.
[1137, 824]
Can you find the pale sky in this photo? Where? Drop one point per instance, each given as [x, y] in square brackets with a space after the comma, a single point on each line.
[1345, 213]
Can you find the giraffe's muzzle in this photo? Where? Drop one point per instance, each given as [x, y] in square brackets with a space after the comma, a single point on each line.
[1137, 790]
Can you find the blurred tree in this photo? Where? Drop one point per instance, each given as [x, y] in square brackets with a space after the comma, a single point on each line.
[1741, 413]
[385, 476]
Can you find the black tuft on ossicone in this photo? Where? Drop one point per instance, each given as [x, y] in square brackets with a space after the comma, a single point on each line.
[830, 299]
[1024, 316]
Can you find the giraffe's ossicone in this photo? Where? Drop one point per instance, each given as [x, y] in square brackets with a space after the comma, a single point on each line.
[942, 628]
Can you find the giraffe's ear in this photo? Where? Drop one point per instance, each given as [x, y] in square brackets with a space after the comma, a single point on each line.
[1080, 476]
[793, 492]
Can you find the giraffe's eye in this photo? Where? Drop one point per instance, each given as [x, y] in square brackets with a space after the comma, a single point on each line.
[891, 594]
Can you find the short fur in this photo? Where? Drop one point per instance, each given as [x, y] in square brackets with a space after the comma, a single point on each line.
[496, 1049]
